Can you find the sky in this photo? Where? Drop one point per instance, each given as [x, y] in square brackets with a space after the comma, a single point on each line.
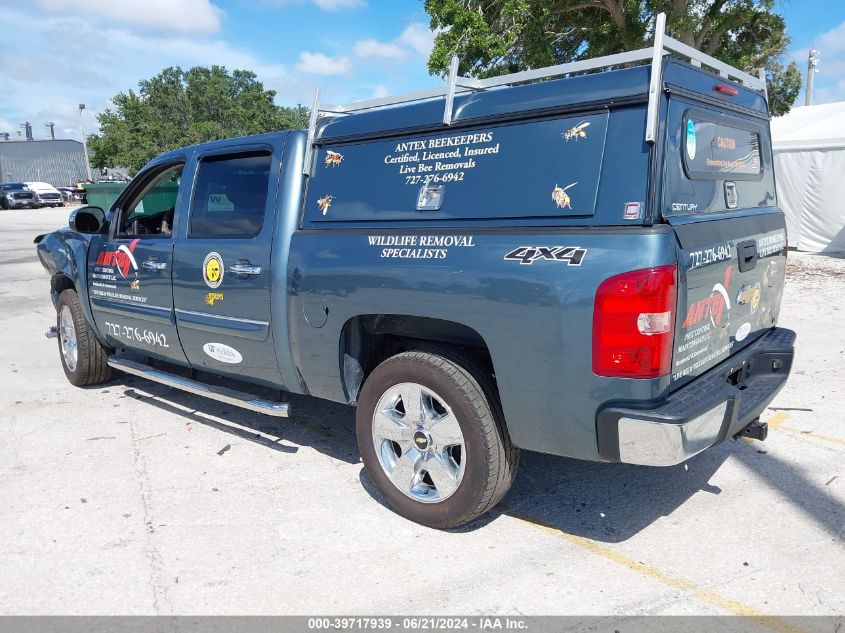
[55, 54]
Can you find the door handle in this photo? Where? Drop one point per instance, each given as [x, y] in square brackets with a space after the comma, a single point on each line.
[747, 254]
[152, 264]
[244, 269]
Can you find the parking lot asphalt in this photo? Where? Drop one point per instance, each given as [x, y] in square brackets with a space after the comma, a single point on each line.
[133, 498]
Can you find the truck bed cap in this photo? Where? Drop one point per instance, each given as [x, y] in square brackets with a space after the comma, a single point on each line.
[598, 90]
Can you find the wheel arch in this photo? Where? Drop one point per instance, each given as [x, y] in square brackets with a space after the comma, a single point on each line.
[368, 339]
[59, 282]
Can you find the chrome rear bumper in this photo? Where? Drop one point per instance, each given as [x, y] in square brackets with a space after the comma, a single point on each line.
[715, 406]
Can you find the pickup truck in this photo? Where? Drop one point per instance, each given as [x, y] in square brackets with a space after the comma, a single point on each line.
[588, 266]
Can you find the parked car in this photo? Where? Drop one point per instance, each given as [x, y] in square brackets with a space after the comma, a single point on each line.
[47, 194]
[72, 194]
[589, 267]
[15, 195]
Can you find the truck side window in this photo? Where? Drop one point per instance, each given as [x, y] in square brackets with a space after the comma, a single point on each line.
[230, 196]
[151, 212]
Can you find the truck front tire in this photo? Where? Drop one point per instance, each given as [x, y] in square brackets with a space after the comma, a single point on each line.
[83, 358]
[433, 439]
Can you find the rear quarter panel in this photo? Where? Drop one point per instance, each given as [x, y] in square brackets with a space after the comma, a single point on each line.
[536, 318]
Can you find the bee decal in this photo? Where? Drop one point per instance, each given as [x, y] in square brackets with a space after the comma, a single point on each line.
[576, 131]
[561, 198]
[135, 284]
[333, 159]
[324, 203]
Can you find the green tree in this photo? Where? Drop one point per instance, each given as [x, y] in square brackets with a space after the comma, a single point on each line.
[177, 108]
[493, 37]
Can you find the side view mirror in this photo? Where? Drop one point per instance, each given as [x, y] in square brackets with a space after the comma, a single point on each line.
[88, 220]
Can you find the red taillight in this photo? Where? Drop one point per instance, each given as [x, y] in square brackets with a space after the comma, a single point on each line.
[726, 90]
[633, 323]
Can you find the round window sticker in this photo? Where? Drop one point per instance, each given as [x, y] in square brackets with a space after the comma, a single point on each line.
[212, 270]
[691, 139]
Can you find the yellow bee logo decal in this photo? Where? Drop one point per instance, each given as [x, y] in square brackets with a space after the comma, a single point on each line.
[135, 284]
[212, 270]
[577, 131]
[324, 203]
[333, 159]
[561, 198]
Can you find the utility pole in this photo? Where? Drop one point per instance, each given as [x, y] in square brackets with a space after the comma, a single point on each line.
[50, 126]
[812, 62]
[84, 142]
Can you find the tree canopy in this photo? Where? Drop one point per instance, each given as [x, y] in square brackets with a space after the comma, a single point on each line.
[493, 37]
[177, 108]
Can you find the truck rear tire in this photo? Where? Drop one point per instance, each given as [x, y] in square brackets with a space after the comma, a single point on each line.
[432, 437]
[83, 358]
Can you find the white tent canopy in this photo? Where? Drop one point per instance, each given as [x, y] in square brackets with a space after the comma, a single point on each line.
[809, 149]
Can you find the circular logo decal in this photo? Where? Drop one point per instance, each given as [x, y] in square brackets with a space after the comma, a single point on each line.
[691, 139]
[212, 270]
[743, 332]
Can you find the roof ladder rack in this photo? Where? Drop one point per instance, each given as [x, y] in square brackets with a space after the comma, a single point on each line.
[663, 45]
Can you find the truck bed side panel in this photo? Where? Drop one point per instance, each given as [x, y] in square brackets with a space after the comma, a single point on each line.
[533, 310]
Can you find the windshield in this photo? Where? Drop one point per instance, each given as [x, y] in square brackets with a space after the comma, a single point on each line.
[13, 186]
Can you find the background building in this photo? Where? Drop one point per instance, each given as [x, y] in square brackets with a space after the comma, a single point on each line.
[59, 162]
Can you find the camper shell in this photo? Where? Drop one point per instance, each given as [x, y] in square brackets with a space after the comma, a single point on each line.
[600, 256]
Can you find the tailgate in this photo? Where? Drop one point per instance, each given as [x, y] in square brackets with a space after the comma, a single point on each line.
[719, 197]
[731, 274]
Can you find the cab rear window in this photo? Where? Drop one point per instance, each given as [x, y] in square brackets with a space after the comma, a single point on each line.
[713, 150]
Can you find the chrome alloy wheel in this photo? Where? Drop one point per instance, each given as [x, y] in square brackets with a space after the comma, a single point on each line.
[67, 338]
[418, 442]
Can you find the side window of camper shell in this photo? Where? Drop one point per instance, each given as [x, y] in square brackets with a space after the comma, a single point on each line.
[541, 168]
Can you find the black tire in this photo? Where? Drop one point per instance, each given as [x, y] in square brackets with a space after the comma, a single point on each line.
[491, 460]
[91, 367]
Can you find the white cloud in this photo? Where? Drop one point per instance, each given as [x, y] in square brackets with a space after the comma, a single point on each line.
[416, 37]
[55, 73]
[419, 37]
[325, 5]
[320, 64]
[190, 16]
[373, 48]
[833, 41]
[380, 91]
[334, 5]
[829, 84]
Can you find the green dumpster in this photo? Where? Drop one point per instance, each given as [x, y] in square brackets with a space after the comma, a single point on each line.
[103, 194]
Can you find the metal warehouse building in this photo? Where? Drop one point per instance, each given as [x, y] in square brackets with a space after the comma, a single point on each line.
[60, 162]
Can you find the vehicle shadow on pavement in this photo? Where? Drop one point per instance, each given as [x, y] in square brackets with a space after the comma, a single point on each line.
[610, 503]
[599, 501]
[792, 483]
[304, 428]
[613, 502]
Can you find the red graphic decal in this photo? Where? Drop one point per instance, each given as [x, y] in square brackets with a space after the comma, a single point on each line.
[712, 306]
[122, 258]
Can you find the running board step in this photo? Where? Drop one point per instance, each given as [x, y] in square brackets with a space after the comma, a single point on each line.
[221, 394]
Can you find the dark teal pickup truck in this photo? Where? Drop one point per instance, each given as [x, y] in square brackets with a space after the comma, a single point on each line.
[589, 266]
